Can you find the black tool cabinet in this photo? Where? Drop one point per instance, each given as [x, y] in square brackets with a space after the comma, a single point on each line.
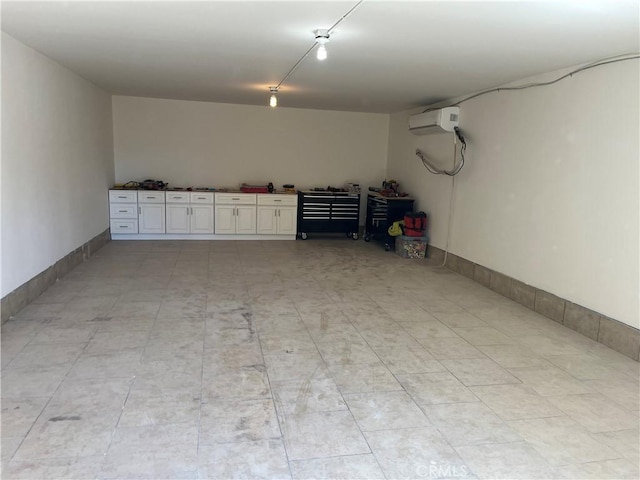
[381, 213]
[328, 212]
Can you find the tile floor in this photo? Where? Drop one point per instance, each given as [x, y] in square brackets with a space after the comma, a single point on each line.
[325, 358]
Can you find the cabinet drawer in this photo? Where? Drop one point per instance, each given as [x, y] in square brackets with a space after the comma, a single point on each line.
[174, 197]
[150, 197]
[235, 198]
[123, 210]
[122, 196]
[198, 197]
[124, 226]
[284, 200]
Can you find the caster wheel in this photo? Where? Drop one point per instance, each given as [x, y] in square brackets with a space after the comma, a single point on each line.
[304, 236]
[348, 234]
[367, 237]
[387, 247]
[355, 236]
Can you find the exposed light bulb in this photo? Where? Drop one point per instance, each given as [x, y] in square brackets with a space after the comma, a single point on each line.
[321, 53]
[322, 37]
[273, 101]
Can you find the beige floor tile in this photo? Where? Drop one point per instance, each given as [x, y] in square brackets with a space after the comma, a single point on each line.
[32, 382]
[316, 393]
[322, 434]
[515, 401]
[346, 352]
[226, 421]
[484, 336]
[479, 371]
[516, 460]
[264, 459]
[435, 388]
[596, 412]
[548, 381]
[469, 424]
[619, 469]
[453, 348]
[372, 377]
[385, 411]
[352, 467]
[146, 450]
[416, 453]
[428, 329]
[143, 410]
[246, 382]
[625, 442]
[513, 356]
[561, 441]
[71, 468]
[19, 414]
[408, 359]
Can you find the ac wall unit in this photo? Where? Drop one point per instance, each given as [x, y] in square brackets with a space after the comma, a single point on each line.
[435, 121]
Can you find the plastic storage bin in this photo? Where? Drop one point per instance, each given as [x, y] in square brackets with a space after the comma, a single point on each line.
[411, 247]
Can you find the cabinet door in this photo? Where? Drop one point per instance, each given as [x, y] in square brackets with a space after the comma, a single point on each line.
[267, 220]
[245, 219]
[152, 218]
[177, 218]
[201, 218]
[287, 219]
[225, 219]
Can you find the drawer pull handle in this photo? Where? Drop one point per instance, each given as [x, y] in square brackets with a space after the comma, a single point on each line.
[202, 198]
[122, 211]
[120, 196]
[235, 199]
[124, 226]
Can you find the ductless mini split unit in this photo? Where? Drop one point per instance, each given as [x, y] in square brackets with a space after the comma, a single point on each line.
[434, 121]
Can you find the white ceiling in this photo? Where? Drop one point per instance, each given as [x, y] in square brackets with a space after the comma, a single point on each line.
[387, 56]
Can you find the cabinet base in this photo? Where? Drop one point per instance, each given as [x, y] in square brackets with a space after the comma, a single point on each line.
[197, 236]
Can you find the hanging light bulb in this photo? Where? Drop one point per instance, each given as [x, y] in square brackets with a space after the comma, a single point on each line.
[322, 37]
[273, 101]
[322, 52]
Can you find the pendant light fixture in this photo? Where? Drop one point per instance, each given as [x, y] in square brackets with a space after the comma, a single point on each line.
[322, 37]
[273, 101]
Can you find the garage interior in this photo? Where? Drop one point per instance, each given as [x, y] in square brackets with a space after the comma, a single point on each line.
[511, 351]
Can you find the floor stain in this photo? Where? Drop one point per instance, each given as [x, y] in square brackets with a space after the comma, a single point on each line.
[63, 418]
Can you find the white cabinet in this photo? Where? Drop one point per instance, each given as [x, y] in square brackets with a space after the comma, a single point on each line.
[235, 213]
[151, 212]
[123, 212]
[277, 214]
[190, 212]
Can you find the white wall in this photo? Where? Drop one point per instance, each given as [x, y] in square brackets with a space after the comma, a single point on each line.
[223, 145]
[57, 162]
[550, 192]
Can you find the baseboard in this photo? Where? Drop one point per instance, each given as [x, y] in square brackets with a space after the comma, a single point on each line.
[26, 293]
[614, 334]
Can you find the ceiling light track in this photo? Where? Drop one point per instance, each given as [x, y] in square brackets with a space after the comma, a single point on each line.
[321, 38]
